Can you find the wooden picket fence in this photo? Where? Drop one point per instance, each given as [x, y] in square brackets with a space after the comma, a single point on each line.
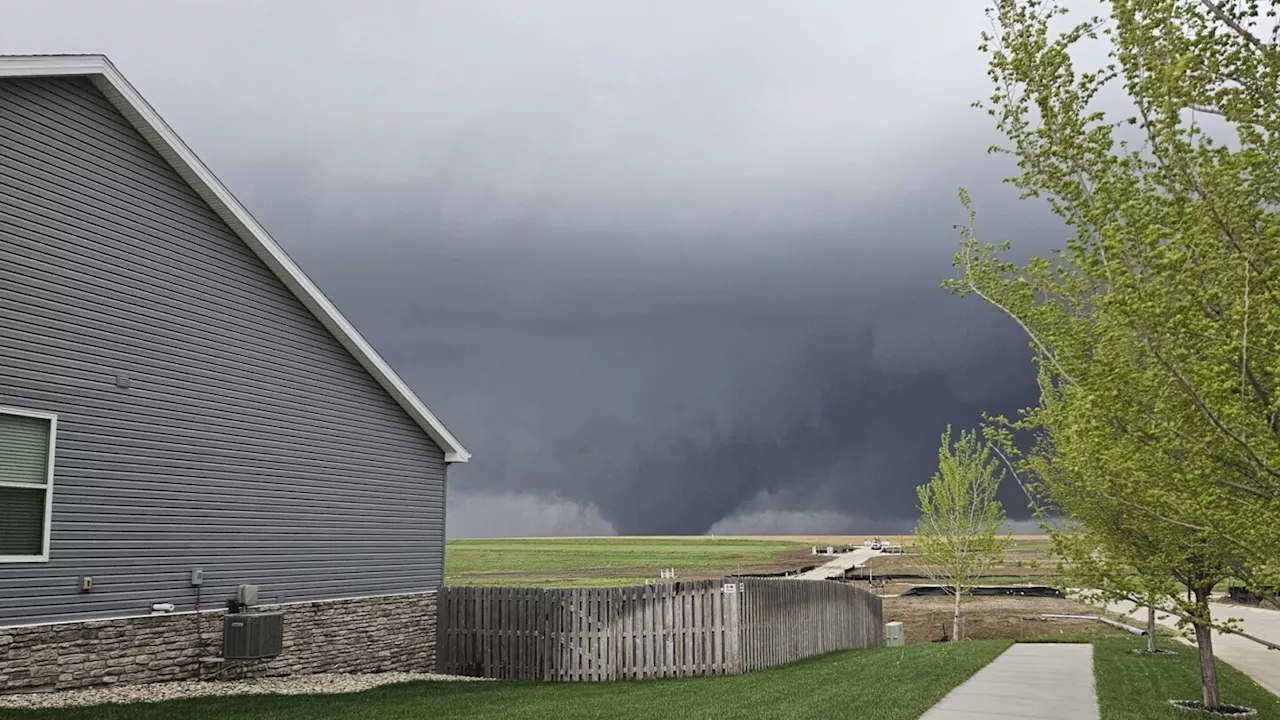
[677, 630]
[680, 629]
[788, 620]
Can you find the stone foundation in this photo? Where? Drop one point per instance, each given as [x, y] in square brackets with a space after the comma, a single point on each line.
[356, 636]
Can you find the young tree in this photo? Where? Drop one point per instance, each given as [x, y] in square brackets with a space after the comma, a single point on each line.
[958, 536]
[1157, 328]
[1107, 542]
[1121, 499]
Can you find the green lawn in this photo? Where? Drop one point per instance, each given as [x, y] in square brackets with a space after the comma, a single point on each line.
[561, 562]
[1138, 687]
[879, 684]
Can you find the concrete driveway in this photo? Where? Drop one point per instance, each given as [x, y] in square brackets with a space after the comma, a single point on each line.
[837, 567]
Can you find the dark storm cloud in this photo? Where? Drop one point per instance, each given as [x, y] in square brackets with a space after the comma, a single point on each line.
[658, 265]
[668, 394]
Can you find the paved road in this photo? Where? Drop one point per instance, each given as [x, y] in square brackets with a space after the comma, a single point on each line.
[839, 564]
[1029, 681]
[1249, 657]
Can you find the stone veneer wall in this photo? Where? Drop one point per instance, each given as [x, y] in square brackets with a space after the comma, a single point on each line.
[350, 636]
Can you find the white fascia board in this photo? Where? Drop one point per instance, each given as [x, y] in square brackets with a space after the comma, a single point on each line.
[109, 81]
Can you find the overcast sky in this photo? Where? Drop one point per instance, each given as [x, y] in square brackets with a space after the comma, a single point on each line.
[661, 266]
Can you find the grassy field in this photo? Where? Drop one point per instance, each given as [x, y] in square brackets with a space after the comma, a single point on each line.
[571, 562]
[880, 684]
[575, 562]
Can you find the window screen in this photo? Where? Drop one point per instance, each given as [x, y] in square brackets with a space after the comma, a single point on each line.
[24, 484]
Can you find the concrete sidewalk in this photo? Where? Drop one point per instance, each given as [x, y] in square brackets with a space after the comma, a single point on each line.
[1040, 681]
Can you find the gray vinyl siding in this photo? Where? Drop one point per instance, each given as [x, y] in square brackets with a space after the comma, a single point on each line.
[248, 442]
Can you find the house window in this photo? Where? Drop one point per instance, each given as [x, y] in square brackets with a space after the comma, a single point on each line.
[26, 483]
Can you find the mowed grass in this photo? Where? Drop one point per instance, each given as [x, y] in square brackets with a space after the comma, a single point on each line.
[573, 562]
[878, 684]
[1139, 687]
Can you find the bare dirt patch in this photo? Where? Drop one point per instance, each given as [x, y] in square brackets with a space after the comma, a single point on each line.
[928, 619]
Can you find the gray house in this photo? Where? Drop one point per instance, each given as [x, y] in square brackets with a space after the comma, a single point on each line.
[183, 412]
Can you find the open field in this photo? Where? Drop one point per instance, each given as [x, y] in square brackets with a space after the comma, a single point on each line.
[585, 561]
[809, 540]
[576, 562]
[799, 539]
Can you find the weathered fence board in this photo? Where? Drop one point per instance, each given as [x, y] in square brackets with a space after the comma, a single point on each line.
[681, 629]
[785, 620]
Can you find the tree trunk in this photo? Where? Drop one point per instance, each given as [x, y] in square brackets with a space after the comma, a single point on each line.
[1204, 644]
[1151, 629]
[955, 618]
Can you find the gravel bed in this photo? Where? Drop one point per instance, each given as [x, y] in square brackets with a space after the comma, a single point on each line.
[154, 692]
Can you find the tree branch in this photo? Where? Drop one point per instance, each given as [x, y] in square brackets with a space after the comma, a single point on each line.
[1198, 443]
[1207, 110]
[1034, 338]
[1239, 29]
[1213, 419]
[1189, 526]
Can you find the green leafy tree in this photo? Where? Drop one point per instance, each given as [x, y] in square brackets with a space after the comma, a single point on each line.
[1156, 329]
[1107, 542]
[958, 537]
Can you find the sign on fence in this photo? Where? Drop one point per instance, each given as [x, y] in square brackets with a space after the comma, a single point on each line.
[705, 627]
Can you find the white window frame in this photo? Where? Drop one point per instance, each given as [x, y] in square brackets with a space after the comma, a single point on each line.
[48, 484]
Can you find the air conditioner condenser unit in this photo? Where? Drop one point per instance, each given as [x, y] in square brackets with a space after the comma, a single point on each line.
[252, 636]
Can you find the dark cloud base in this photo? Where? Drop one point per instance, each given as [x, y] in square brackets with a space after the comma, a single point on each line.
[669, 396]
[873, 437]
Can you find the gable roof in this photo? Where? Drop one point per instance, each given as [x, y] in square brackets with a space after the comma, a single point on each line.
[99, 70]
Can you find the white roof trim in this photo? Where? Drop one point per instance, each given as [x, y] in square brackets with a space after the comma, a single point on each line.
[99, 70]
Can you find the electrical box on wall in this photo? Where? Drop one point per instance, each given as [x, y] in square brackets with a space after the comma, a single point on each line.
[197, 577]
[86, 583]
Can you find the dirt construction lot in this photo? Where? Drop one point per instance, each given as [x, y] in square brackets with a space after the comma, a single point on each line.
[928, 619]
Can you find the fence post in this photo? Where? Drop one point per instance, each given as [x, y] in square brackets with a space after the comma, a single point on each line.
[733, 629]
